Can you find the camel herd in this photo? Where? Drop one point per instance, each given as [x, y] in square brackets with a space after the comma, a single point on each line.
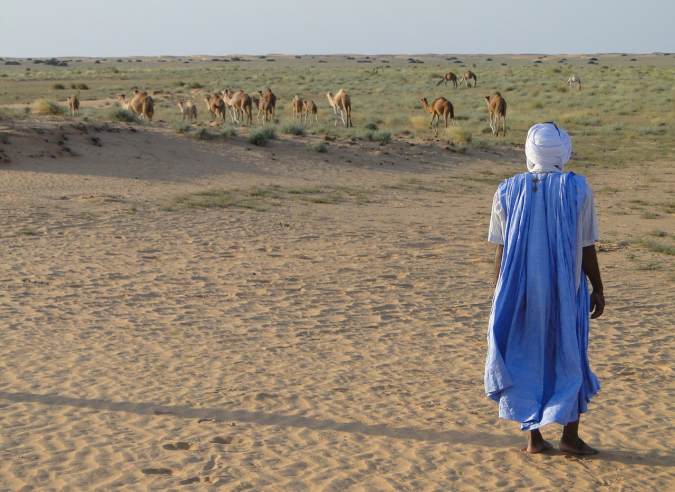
[240, 105]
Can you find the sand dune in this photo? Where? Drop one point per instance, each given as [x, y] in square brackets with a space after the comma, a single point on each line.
[310, 346]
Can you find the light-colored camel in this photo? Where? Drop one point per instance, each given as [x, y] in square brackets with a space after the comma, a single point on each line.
[227, 99]
[311, 112]
[242, 103]
[574, 79]
[448, 77]
[468, 76]
[74, 106]
[497, 107]
[188, 110]
[342, 102]
[140, 103]
[297, 108]
[440, 107]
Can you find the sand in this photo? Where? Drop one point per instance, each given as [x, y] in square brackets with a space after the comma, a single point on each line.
[311, 346]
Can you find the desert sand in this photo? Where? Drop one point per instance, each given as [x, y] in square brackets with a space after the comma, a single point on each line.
[309, 346]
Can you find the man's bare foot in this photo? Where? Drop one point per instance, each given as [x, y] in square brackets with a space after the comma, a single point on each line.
[537, 448]
[536, 443]
[579, 447]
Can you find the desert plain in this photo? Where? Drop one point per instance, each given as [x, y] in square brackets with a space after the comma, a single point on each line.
[182, 309]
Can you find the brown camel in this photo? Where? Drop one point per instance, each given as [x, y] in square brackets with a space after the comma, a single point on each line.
[497, 107]
[208, 107]
[343, 102]
[217, 106]
[448, 77]
[227, 99]
[74, 106]
[440, 107]
[311, 111]
[468, 76]
[272, 101]
[297, 107]
[140, 103]
[188, 109]
[264, 106]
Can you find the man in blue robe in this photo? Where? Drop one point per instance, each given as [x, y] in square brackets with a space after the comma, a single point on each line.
[544, 225]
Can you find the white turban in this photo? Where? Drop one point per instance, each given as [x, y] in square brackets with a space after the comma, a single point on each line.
[547, 148]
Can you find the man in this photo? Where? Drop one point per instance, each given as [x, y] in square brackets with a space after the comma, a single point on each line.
[544, 225]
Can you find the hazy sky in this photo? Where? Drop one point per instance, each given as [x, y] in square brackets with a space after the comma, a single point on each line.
[42, 28]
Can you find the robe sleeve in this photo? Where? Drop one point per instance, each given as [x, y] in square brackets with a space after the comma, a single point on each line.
[588, 224]
[497, 221]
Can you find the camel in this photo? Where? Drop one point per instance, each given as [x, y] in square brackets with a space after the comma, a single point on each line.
[343, 102]
[440, 106]
[190, 110]
[217, 106]
[497, 107]
[448, 77]
[468, 76]
[208, 107]
[74, 106]
[241, 102]
[227, 99]
[140, 103]
[311, 111]
[574, 79]
[271, 100]
[297, 107]
[265, 105]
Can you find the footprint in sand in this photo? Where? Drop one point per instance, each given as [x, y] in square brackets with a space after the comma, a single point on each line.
[211, 464]
[180, 446]
[226, 440]
[189, 481]
[157, 471]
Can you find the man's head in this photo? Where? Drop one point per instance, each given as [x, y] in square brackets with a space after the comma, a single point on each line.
[548, 148]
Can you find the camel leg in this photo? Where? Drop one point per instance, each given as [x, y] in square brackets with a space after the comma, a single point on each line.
[433, 117]
[343, 117]
[446, 123]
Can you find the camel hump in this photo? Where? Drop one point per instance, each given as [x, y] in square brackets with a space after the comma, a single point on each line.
[498, 94]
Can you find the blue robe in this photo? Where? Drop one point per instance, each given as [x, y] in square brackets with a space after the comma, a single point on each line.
[537, 364]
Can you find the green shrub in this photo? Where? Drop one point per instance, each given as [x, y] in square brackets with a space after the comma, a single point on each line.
[319, 147]
[180, 127]
[202, 133]
[57, 87]
[258, 138]
[293, 129]
[122, 115]
[45, 106]
[177, 83]
[228, 131]
[371, 127]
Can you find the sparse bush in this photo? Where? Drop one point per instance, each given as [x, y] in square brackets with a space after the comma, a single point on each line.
[458, 134]
[370, 126]
[177, 83]
[57, 87]
[46, 107]
[228, 131]
[180, 127]
[320, 147]
[479, 143]
[270, 132]
[202, 133]
[462, 148]
[195, 85]
[80, 86]
[293, 129]
[122, 115]
[258, 138]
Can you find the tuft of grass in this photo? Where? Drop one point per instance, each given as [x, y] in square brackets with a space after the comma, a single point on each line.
[57, 87]
[328, 198]
[293, 129]
[381, 136]
[80, 86]
[27, 232]
[122, 115]
[649, 215]
[228, 131]
[659, 233]
[195, 85]
[372, 126]
[258, 138]
[202, 133]
[46, 107]
[180, 126]
[650, 265]
[320, 147]
[657, 247]
[480, 144]
[459, 134]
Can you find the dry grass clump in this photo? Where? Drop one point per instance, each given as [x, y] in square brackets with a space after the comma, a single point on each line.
[459, 134]
[319, 147]
[44, 106]
[122, 115]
